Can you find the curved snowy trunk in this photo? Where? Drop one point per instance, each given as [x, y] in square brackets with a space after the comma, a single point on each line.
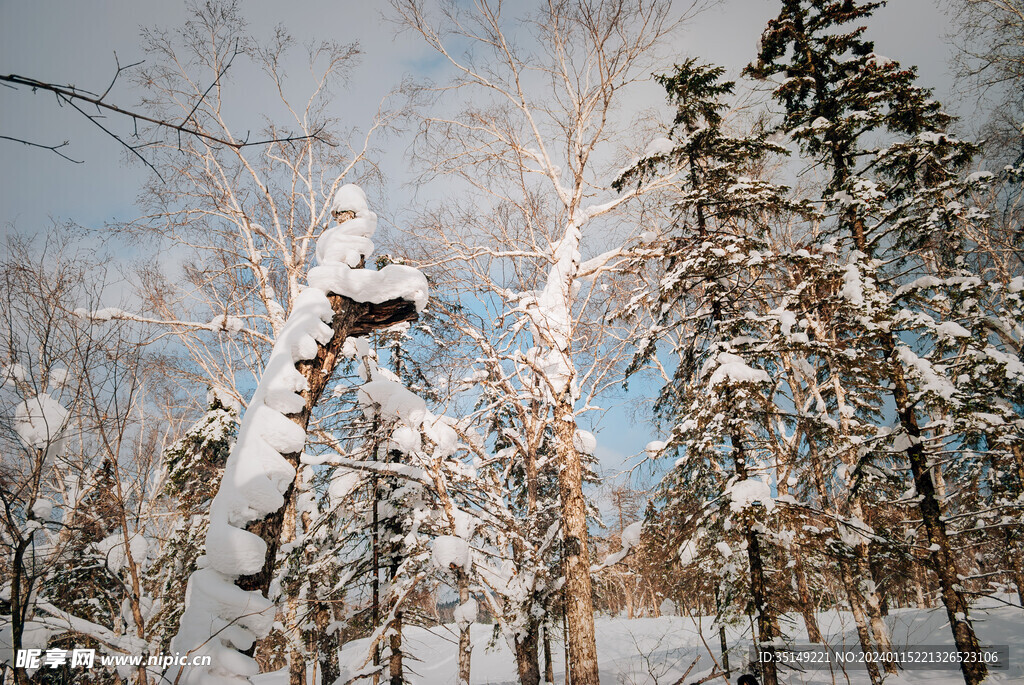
[227, 610]
[351, 319]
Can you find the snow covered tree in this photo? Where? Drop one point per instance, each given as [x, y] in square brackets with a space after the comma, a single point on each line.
[709, 304]
[77, 477]
[255, 509]
[894, 198]
[247, 221]
[194, 465]
[526, 125]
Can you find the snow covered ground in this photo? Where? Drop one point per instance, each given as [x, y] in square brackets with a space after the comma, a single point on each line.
[657, 651]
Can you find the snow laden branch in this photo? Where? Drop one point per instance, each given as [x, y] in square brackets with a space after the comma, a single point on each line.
[422, 446]
[221, 323]
[227, 609]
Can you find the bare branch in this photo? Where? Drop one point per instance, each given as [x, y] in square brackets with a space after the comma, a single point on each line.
[55, 149]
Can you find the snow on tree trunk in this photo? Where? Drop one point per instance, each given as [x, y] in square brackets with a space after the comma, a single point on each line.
[395, 643]
[226, 605]
[767, 624]
[943, 559]
[860, 617]
[551, 316]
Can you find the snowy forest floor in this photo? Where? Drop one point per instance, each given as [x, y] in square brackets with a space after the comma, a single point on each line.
[657, 651]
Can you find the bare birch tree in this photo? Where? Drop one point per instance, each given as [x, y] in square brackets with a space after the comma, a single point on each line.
[78, 477]
[536, 123]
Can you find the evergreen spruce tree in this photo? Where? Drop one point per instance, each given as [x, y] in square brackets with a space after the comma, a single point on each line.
[194, 464]
[907, 309]
[717, 266]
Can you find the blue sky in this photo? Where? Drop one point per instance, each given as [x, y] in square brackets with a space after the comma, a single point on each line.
[74, 42]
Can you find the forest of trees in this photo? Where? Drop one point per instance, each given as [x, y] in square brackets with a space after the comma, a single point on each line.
[275, 438]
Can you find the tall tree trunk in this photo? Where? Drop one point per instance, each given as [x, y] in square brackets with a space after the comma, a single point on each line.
[549, 666]
[941, 553]
[724, 646]
[767, 624]
[1013, 562]
[853, 588]
[20, 600]
[465, 642]
[527, 657]
[575, 550]
[928, 502]
[375, 562]
[877, 563]
[860, 617]
[327, 643]
[293, 622]
[804, 599]
[767, 627]
[325, 640]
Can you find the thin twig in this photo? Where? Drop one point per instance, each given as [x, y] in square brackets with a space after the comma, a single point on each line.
[95, 119]
[69, 94]
[55, 149]
[206, 92]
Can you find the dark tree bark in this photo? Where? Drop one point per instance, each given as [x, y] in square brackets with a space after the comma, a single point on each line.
[941, 553]
[395, 669]
[767, 623]
[549, 666]
[526, 646]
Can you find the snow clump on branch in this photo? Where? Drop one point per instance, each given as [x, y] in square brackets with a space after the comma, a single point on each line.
[221, 619]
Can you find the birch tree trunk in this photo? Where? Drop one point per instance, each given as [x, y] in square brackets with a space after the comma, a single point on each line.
[465, 637]
[575, 553]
